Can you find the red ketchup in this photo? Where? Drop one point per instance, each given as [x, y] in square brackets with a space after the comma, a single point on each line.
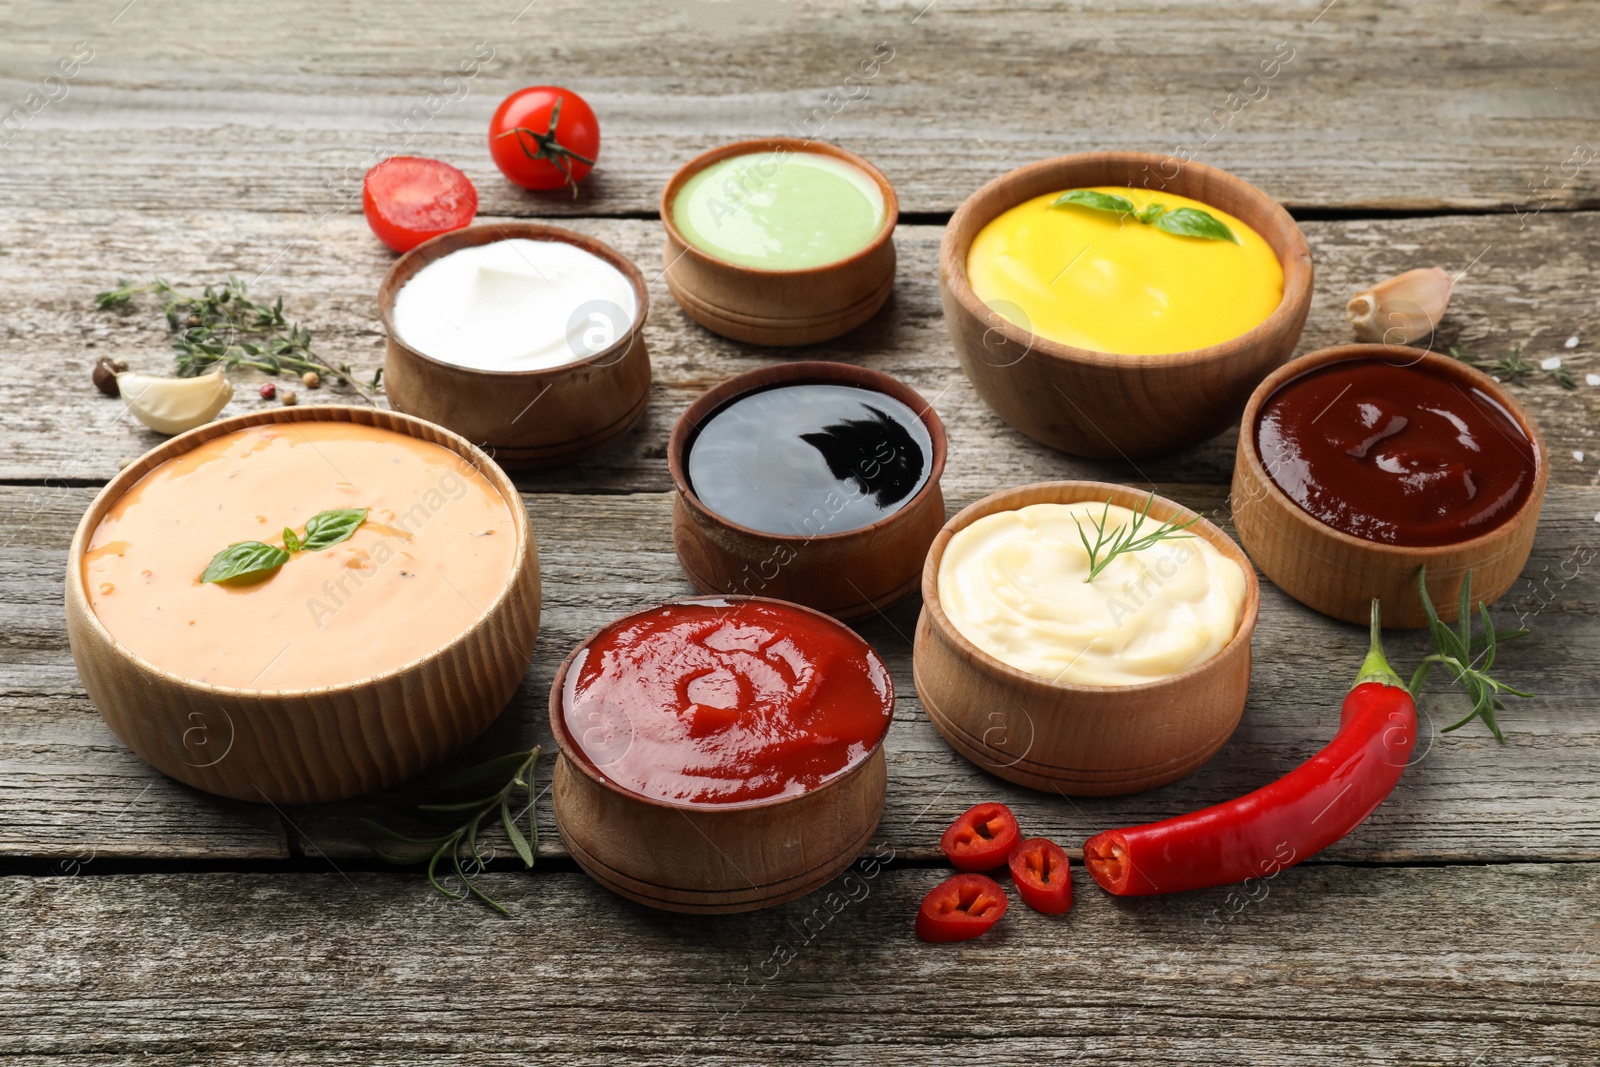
[1396, 453]
[715, 702]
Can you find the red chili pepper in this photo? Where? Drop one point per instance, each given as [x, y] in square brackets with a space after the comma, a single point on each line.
[1043, 875]
[960, 908]
[1280, 824]
[981, 838]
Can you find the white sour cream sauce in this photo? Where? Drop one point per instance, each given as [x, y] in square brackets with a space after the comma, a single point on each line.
[1013, 584]
[515, 305]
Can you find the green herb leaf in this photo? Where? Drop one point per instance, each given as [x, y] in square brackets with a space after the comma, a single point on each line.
[1151, 213]
[1098, 201]
[513, 831]
[1192, 222]
[1454, 649]
[243, 558]
[327, 528]
[1108, 546]
[290, 541]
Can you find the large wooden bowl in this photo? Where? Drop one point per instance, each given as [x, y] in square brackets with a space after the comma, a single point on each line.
[710, 859]
[1100, 404]
[1337, 573]
[302, 746]
[778, 307]
[1078, 739]
[523, 418]
[846, 574]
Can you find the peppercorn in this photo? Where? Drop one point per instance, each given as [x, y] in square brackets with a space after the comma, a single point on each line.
[192, 320]
[290, 398]
[268, 391]
[105, 375]
[310, 379]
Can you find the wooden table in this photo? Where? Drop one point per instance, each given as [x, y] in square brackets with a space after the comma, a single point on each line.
[145, 922]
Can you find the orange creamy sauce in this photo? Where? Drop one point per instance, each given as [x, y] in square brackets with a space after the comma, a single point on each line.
[436, 551]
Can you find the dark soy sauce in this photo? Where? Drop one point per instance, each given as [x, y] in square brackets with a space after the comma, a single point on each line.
[809, 459]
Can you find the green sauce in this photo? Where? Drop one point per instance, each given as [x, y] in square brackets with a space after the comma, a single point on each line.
[780, 210]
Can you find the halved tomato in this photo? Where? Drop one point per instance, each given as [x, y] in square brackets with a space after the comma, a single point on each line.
[408, 199]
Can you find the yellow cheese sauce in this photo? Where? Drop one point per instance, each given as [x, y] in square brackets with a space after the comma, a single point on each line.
[436, 550]
[1013, 584]
[1108, 283]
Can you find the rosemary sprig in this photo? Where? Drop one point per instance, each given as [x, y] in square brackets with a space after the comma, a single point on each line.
[1513, 368]
[1459, 650]
[461, 843]
[223, 325]
[1126, 538]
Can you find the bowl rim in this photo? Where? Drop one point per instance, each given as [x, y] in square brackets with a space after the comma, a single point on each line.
[1300, 366]
[183, 443]
[403, 269]
[669, 193]
[800, 372]
[1161, 508]
[1298, 268]
[574, 755]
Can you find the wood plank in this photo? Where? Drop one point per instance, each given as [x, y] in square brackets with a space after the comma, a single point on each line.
[283, 111]
[1530, 287]
[1326, 964]
[1466, 799]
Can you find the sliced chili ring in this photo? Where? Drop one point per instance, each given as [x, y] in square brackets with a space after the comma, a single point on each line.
[960, 908]
[1043, 875]
[982, 838]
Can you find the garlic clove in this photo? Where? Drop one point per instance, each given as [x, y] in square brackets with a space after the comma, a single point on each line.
[173, 405]
[1401, 309]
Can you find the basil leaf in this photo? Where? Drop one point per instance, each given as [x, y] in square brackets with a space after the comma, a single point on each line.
[1192, 222]
[1151, 213]
[245, 557]
[1098, 201]
[290, 541]
[327, 528]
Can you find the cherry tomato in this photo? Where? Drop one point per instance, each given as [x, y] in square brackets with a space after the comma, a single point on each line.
[408, 199]
[1043, 875]
[960, 908]
[544, 137]
[982, 838]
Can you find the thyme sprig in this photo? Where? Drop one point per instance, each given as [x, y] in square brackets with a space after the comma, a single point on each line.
[1460, 652]
[460, 845]
[223, 325]
[1512, 367]
[1126, 538]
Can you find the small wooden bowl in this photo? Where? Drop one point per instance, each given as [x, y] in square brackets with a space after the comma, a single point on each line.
[1078, 739]
[1337, 573]
[847, 574]
[779, 307]
[1100, 404]
[703, 859]
[305, 746]
[523, 418]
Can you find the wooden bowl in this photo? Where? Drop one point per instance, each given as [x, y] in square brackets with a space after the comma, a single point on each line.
[779, 307]
[710, 859]
[847, 574]
[523, 418]
[303, 746]
[1100, 404]
[1078, 739]
[1337, 573]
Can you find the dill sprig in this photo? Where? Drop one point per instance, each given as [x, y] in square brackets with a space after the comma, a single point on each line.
[222, 325]
[1460, 650]
[1513, 368]
[460, 845]
[1126, 538]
